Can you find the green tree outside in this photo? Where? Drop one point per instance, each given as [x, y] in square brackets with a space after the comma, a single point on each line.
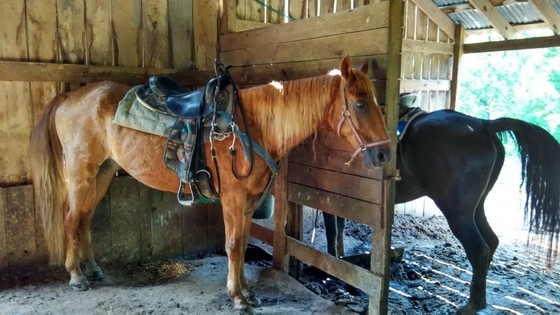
[522, 84]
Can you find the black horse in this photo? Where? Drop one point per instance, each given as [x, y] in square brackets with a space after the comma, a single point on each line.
[455, 159]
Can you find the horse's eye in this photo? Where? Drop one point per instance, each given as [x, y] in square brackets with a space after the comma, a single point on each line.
[360, 103]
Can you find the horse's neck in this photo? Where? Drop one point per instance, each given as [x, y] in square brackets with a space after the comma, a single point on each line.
[284, 114]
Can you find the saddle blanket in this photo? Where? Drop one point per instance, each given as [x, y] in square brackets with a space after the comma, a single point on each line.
[132, 114]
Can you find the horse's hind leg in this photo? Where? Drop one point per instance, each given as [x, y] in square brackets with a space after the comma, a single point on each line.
[85, 249]
[85, 189]
[459, 203]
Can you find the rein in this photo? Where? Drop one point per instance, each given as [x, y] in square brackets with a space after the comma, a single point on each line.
[346, 117]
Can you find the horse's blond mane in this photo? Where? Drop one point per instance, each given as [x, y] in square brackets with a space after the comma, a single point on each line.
[287, 112]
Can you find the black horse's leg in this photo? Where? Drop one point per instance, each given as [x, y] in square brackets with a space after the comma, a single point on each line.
[463, 225]
[462, 203]
[340, 225]
[330, 231]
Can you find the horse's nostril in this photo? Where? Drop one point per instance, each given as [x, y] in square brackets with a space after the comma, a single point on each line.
[381, 156]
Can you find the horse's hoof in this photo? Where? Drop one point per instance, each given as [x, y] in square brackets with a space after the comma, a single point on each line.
[253, 299]
[469, 309]
[95, 275]
[80, 285]
[243, 309]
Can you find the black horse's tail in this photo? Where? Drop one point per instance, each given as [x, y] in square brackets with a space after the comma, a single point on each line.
[539, 152]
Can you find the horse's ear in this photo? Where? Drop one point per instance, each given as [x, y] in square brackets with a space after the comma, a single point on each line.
[364, 67]
[346, 68]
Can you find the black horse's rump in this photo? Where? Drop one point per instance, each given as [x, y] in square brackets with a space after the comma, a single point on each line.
[455, 159]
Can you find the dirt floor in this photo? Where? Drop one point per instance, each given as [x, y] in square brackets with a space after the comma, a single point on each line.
[174, 287]
[432, 277]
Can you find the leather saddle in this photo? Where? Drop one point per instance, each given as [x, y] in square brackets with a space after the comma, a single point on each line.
[167, 95]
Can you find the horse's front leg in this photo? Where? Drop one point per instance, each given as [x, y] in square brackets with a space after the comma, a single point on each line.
[237, 229]
[247, 290]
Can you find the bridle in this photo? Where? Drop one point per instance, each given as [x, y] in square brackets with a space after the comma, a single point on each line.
[346, 117]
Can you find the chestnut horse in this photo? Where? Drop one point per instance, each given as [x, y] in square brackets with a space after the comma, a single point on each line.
[75, 150]
[455, 159]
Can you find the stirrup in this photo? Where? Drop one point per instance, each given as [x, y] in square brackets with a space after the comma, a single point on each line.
[184, 199]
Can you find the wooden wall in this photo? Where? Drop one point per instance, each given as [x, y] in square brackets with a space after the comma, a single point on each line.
[50, 46]
[427, 55]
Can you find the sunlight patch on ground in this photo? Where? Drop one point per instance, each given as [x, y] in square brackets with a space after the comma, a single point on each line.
[521, 301]
[538, 296]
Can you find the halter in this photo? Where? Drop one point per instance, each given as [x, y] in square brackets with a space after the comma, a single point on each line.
[346, 117]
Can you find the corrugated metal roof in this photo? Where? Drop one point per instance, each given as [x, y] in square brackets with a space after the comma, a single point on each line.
[515, 13]
[470, 19]
[447, 3]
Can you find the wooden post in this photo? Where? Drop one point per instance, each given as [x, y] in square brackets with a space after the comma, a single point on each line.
[279, 260]
[457, 55]
[381, 236]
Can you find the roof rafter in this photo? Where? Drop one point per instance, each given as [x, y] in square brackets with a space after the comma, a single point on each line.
[547, 13]
[502, 26]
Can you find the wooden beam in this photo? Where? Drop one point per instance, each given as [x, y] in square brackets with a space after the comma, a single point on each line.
[427, 47]
[425, 85]
[486, 8]
[457, 55]
[75, 73]
[435, 14]
[361, 278]
[547, 13]
[514, 44]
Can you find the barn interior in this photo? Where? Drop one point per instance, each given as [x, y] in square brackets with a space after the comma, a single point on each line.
[52, 46]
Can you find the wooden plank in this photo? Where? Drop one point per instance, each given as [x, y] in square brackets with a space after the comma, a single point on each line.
[127, 32]
[50, 72]
[166, 225]
[361, 188]
[512, 44]
[15, 112]
[262, 233]
[20, 223]
[71, 30]
[181, 31]
[457, 55]
[215, 229]
[382, 241]
[266, 52]
[427, 47]
[101, 231]
[548, 14]
[263, 74]
[354, 275]
[156, 34]
[205, 28]
[486, 8]
[361, 19]
[435, 14]
[42, 45]
[125, 220]
[99, 39]
[196, 230]
[3, 233]
[279, 258]
[425, 85]
[353, 209]
[330, 159]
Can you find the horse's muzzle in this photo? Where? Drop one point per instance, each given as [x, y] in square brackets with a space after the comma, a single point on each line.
[377, 156]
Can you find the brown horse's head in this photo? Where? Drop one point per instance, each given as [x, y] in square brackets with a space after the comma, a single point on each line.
[359, 117]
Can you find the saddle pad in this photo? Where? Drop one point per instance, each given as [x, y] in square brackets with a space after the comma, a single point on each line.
[132, 114]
